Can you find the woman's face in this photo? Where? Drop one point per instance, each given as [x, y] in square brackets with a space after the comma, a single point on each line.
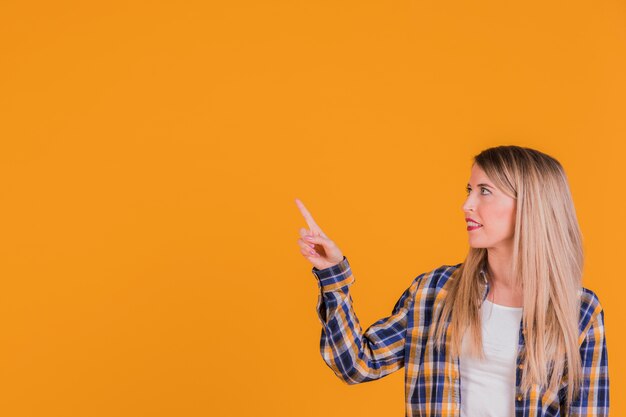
[492, 209]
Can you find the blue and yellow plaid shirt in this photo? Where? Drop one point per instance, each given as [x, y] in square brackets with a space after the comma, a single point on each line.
[432, 380]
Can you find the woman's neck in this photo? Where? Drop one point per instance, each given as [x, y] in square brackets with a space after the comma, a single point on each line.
[503, 290]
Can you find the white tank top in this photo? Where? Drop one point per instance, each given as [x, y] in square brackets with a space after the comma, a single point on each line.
[488, 387]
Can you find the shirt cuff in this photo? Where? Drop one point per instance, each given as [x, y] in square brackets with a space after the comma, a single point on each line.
[334, 277]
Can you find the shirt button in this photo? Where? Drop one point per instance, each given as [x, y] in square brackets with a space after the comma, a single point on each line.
[519, 398]
[520, 366]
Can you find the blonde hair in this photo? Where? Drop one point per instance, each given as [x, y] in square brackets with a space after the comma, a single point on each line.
[547, 264]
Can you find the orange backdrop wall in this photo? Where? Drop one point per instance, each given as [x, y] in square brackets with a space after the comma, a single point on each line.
[151, 152]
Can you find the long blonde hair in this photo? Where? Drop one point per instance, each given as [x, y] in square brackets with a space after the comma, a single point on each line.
[547, 264]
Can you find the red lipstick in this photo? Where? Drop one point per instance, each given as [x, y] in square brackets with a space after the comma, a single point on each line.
[469, 228]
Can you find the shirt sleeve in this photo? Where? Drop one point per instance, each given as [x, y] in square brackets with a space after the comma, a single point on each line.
[593, 399]
[353, 355]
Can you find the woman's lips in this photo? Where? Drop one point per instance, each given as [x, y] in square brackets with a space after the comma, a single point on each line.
[470, 228]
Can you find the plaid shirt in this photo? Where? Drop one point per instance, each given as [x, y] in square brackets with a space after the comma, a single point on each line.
[432, 380]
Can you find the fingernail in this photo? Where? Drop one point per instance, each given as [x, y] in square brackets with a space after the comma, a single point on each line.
[308, 238]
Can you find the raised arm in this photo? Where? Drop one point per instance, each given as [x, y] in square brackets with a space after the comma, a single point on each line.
[356, 356]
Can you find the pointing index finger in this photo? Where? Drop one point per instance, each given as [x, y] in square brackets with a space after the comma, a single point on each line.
[307, 216]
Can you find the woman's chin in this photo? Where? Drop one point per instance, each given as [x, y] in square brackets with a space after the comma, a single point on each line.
[476, 245]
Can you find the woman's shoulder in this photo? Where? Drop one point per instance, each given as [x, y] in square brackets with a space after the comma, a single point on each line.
[435, 279]
[430, 286]
[590, 308]
[589, 302]
[589, 298]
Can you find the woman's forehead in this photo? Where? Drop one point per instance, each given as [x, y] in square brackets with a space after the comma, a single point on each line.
[479, 178]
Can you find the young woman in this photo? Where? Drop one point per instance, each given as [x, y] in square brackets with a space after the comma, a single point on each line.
[508, 332]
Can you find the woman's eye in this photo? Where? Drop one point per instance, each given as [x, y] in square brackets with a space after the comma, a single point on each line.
[467, 190]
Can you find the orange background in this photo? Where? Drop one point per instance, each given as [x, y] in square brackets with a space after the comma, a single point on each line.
[151, 153]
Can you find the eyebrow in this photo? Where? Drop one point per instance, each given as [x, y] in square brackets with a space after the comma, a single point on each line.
[482, 185]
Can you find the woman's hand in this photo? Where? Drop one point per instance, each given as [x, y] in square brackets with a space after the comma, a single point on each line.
[315, 245]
